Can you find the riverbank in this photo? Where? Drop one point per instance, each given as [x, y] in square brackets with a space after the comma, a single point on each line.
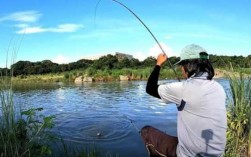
[79, 76]
[95, 75]
[222, 73]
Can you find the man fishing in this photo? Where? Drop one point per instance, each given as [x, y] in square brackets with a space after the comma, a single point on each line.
[201, 118]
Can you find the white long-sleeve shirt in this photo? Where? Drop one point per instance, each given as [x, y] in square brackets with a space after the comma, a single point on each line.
[202, 121]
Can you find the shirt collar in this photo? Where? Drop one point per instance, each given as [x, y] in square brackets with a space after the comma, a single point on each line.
[202, 76]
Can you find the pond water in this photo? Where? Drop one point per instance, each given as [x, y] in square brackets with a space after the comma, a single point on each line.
[104, 116]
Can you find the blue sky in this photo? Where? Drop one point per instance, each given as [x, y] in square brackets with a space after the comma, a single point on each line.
[66, 31]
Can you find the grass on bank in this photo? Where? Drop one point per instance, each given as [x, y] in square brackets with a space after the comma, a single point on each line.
[21, 131]
[114, 74]
[239, 117]
[97, 75]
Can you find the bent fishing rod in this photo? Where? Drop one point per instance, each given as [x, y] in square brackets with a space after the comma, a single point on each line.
[123, 5]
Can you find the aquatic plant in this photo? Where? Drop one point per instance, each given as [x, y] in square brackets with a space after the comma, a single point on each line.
[20, 131]
[239, 117]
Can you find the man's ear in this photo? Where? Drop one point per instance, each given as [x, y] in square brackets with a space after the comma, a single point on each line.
[184, 73]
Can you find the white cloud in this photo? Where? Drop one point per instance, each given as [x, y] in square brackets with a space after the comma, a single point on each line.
[30, 30]
[21, 25]
[140, 55]
[154, 51]
[25, 16]
[27, 23]
[66, 28]
[61, 59]
[168, 37]
[26, 29]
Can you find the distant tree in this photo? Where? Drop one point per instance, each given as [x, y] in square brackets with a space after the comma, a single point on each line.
[149, 61]
[123, 63]
[110, 62]
[63, 67]
[238, 61]
[83, 63]
[219, 61]
[47, 66]
[226, 61]
[5, 72]
[135, 62]
[21, 68]
[105, 62]
[248, 61]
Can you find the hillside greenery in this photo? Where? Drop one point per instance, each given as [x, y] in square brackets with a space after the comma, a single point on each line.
[109, 68]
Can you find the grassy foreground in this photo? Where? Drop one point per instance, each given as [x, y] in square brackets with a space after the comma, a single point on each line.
[239, 117]
[21, 131]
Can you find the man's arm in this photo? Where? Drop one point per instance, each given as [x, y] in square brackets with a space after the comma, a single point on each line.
[152, 83]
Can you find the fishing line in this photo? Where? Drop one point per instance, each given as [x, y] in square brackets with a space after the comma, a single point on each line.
[172, 67]
[95, 13]
[131, 121]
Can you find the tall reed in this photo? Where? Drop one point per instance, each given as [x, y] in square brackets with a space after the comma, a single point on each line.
[20, 130]
[239, 117]
[8, 127]
[7, 116]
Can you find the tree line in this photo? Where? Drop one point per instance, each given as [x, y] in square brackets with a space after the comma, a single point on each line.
[111, 62]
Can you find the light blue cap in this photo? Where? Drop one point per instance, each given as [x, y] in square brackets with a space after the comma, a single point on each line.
[192, 51]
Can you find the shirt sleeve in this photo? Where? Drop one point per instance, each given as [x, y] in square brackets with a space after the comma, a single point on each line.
[152, 83]
[171, 92]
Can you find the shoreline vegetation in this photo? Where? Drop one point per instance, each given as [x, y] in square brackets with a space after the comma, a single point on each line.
[239, 117]
[20, 131]
[119, 67]
[79, 76]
